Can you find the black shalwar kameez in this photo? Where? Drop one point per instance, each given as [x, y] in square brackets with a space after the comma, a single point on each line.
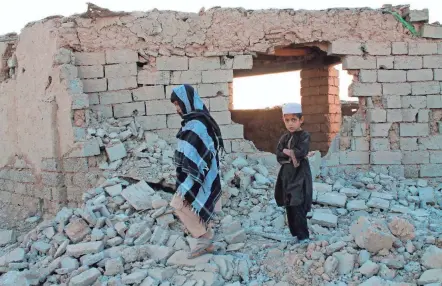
[294, 186]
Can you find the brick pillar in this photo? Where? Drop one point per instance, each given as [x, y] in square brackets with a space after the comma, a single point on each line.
[321, 106]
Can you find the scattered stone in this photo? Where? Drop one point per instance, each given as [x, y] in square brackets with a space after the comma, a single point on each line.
[139, 195]
[427, 195]
[41, 247]
[86, 278]
[401, 228]
[332, 199]
[356, 205]
[371, 234]
[7, 237]
[324, 219]
[322, 188]
[69, 264]
[378, 203]
[331, 264]
[349, 192]
[430, 276]
[432, 257]
[116, 151]
[77, 229]
[17, 255]
[13, 278]
[335, 247]
[369, 269]
[134, 278]
[114, 190]
[180, 258]
[80, 249]
[346, 262]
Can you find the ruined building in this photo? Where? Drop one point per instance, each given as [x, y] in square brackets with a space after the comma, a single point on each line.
[61, 69]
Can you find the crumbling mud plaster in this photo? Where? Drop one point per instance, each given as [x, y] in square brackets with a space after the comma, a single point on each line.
[61, 73]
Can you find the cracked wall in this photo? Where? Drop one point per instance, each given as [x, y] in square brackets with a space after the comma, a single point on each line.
[69, 69]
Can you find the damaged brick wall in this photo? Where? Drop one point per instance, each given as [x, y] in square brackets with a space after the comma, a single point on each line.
[321, 106]
[263, 127]
[400, 88]
[124, 65]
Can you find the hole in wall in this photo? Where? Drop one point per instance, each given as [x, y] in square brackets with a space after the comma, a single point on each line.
[274, 80]
[23, 70]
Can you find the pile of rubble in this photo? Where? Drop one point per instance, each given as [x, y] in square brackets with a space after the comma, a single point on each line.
[369, 229]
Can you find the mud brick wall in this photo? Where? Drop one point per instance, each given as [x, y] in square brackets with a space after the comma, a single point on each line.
[321, 106]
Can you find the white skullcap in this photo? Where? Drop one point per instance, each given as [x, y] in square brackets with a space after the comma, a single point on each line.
[291, 108]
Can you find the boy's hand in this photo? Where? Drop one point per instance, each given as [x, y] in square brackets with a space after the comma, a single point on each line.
[310, 154]
[288, 152]
[294, 161]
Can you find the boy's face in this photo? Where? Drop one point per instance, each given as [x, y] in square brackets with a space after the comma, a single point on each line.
[292, 122]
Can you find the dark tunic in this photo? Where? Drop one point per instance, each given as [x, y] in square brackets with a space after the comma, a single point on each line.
[294, 186]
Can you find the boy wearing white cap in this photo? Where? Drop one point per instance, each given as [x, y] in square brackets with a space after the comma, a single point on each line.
[294, 186]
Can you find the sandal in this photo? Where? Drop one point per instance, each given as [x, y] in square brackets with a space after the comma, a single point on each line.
[201, 251]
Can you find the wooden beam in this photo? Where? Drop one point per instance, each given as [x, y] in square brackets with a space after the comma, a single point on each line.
[287, 52]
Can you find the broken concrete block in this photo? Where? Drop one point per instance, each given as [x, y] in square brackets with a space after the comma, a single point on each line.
[349, 192]
[114, 190]
[242, 62]
[371, 235]
[346, 262]
[41, 246]
[427, 195]
[335, 247]
[139, 195]
[77, 229]
[369, 269]
[69, 264]
[322, 187]
[378, 203]
[88, 277]
[324, 219]
[160, 236]
[7, 237]
[158, 252]
[432, 257]
[332, 199]
[209, 278]
[13, 278]
[402, 229]
[17, 255]
[135, 277]
[430, 276]
[116, 151]
[431, 31]
[80, 249]
[236, 237]
[419, 15]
